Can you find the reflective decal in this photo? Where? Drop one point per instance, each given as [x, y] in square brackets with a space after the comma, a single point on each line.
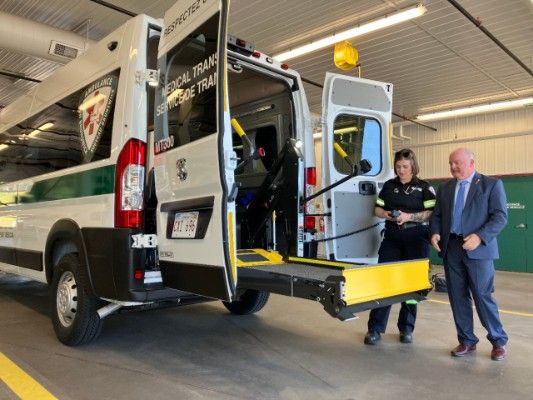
[95, 105]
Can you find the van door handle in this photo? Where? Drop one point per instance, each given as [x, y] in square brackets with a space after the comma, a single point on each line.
[521, 226]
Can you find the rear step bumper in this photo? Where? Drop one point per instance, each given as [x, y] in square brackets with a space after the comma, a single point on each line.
[343, 289]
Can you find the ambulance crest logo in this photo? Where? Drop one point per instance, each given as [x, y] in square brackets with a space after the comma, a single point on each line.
[94, 107]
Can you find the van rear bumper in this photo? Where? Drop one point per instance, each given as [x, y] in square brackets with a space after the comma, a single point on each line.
[111, 263]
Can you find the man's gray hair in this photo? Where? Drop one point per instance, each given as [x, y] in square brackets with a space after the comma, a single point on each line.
[469, 153]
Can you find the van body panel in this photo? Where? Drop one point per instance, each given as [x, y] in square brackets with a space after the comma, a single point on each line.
[193, 154]
[360, 125]
[84, 192]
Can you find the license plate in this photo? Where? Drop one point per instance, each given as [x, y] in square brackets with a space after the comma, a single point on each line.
[185, 225]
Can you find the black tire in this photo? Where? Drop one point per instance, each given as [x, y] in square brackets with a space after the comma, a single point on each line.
[74, 315]
[250, 302]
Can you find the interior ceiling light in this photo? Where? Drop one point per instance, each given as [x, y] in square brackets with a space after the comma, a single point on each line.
[381, 23]
[501, 105]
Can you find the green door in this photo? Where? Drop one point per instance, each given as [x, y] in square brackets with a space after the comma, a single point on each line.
[513, 239]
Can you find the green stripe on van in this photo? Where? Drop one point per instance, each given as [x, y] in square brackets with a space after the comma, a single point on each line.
[92, 182]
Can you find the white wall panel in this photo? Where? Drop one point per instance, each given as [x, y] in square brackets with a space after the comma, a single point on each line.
[502, 142]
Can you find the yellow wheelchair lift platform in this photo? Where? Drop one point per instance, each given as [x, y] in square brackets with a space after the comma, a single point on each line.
[342, 288]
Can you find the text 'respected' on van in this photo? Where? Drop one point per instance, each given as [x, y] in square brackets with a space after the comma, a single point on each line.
[176, 163]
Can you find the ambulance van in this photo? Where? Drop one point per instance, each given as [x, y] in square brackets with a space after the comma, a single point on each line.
[173, 162]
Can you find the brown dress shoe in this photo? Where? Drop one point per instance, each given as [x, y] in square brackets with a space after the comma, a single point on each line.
[463, 350]
[498, 353]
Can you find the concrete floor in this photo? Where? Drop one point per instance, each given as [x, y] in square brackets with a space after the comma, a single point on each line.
[290, 350]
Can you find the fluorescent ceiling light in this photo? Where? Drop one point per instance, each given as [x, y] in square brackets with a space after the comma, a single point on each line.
[501, 105]
[342, 131]
[339, 131]
[43, 127]
[172, 96]
[381, 23]
[91, 101]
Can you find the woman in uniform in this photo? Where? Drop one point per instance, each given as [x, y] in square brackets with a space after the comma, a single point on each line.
[406, 203]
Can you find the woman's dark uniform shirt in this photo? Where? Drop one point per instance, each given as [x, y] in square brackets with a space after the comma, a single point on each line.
[412, 197]
[408, 241]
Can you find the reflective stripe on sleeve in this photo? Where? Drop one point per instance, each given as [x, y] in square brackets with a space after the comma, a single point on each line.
[429, 203]
[380, 202]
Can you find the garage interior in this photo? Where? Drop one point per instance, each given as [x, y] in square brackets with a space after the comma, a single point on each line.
[460, 53]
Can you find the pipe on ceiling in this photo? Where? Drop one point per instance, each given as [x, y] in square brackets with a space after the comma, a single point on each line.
[478, 23]
[33, 38]
[114, 7]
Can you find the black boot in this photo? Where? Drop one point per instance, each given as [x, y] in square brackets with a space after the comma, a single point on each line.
[406, 337]
[372, 337]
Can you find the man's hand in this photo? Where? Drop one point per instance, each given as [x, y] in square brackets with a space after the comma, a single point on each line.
[471, 242]
[435, 239]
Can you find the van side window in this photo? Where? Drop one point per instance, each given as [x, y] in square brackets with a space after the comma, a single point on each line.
[186, 107]
[73, 131]
[360, 138]
[151, 63]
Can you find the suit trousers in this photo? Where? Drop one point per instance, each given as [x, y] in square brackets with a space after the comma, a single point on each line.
[398, 245]
[465, 276]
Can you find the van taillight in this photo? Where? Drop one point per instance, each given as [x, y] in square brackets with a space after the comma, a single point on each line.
[310, 176]
[310, 183]
[129, 185]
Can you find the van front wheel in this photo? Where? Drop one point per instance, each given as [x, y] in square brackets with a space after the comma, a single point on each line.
[74, 308]
[250, 301]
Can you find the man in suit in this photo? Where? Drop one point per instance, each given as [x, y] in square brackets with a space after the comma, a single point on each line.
[471, 210]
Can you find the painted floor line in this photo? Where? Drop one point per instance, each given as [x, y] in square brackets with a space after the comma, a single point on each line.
[521, 314]
[22, 384]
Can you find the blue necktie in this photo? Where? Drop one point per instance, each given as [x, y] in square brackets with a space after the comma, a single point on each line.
[458, 209]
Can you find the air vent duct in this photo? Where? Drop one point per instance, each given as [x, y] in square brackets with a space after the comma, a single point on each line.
[64, 50]
[39, 40]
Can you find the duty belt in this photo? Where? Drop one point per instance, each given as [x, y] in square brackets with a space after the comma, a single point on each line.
[405, 225]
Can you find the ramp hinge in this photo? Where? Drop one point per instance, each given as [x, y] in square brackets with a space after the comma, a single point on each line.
[141, 241]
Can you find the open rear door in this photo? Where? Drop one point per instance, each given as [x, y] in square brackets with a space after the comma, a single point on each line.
[193, 157]
[357, 122]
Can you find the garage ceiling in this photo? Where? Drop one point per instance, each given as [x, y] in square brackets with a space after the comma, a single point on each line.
[438, 61]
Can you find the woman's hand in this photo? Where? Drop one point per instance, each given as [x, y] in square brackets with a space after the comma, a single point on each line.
[381, 213]
[403, 218]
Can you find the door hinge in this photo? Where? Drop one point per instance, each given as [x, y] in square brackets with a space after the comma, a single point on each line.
[141, 241]
[150, 76]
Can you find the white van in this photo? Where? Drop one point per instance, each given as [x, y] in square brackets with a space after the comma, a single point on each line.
[122, 182]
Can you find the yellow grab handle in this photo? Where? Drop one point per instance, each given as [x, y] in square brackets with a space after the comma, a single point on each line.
[238, 128]
[340, 151]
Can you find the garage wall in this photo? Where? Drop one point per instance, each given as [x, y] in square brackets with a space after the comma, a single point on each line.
[502, 143]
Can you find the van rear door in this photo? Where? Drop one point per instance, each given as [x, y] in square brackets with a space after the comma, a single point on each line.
[193, 156]
[356, 125]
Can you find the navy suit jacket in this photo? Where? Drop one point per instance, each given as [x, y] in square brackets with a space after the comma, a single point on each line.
[484, 213]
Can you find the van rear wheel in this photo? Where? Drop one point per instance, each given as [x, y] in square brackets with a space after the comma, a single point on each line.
[250, 302]
[74, 308]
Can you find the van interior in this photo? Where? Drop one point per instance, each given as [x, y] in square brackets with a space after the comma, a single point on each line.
[267, 199]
